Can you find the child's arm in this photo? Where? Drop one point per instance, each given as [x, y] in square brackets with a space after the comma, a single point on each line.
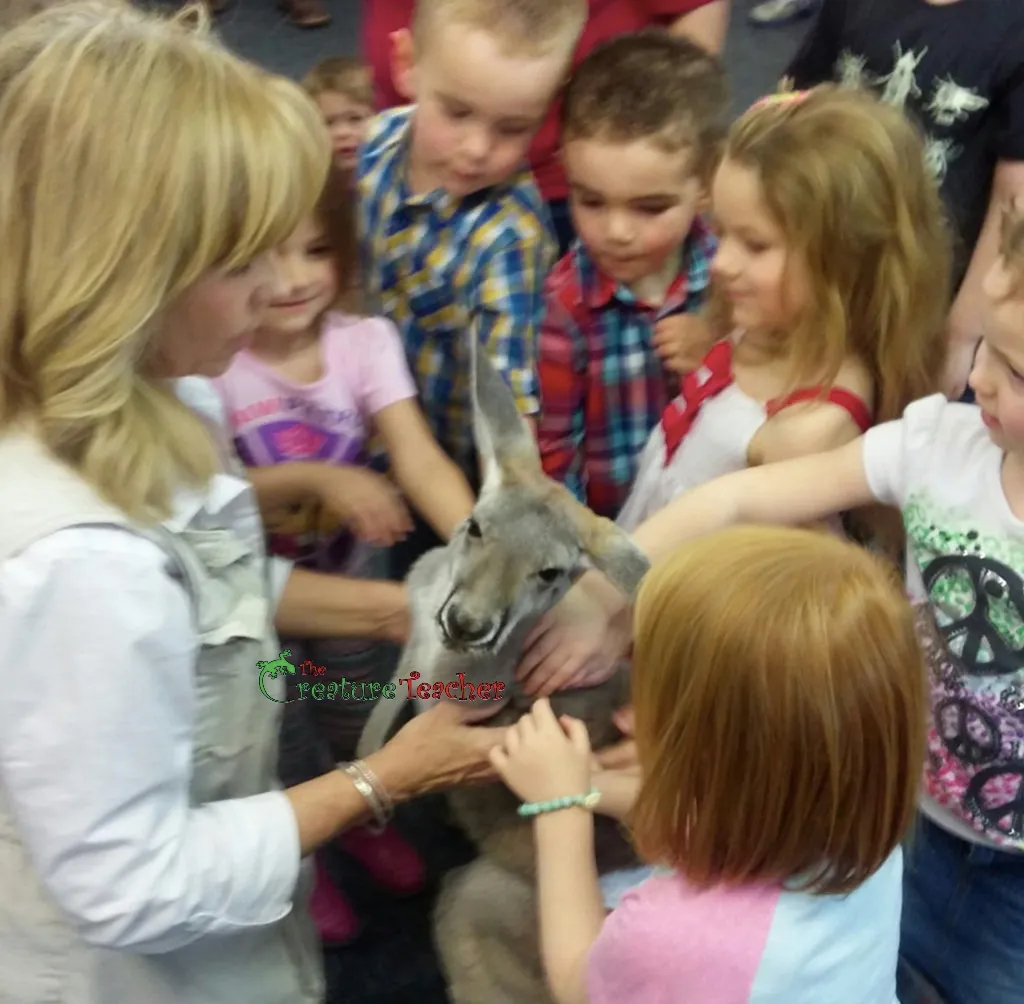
[545, 758]
[618, 789]
[965, 317]
[794, 492]
[561, 369]
[431, 481]
[281, 485]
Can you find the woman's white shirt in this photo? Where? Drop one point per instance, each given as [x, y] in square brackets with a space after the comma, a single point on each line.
[96, 729]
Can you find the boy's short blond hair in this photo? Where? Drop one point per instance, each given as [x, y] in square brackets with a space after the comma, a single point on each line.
[524, 27]
[650, 85]
[340, 75]
[1012, 245]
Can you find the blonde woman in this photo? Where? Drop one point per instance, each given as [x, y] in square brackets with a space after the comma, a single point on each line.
[147, 854]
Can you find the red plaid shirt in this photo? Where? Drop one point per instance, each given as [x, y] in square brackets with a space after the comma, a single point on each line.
[602, 385]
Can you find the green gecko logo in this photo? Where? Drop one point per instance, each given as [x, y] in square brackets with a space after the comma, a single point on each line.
[271, 667]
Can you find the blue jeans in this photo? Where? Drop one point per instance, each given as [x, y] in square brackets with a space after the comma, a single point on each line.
[963, 922]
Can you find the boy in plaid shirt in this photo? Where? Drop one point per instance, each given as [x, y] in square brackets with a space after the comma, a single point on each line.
[640, 133]
[454, 235]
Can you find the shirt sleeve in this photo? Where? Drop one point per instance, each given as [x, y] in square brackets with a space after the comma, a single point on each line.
[383, 372]
[508, 311]
[896, 452]
[562, 372]
[96, 743]
[815, 60]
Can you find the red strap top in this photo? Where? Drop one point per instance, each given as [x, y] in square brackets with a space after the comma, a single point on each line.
[715, 374]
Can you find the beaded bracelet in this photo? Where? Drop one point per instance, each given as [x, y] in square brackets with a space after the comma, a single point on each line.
[368, 785]
[587, 801]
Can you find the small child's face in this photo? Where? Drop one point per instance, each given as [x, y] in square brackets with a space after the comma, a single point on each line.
[632, 203]
[477, 109]
[307, 284]
[765, 285]
[997, 377]
[346, 121]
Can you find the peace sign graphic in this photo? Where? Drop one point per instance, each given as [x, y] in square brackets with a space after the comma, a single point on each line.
[990, 581]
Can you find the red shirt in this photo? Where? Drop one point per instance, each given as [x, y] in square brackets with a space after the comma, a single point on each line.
[607, 18]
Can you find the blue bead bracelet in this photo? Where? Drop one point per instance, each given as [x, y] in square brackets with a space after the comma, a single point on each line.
[587, 801]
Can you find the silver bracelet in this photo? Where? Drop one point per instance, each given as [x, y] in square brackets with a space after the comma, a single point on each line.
[368, 785]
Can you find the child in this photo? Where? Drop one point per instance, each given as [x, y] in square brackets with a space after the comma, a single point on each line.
[958, 68]
[828, 308]
[829, 296]
[341, 88]
[640, 138]
[454, 237]
[956, 472]
[301, 402]
[386, 36]
[779, 870]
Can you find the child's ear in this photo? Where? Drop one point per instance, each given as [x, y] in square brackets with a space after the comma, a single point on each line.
[403, 63]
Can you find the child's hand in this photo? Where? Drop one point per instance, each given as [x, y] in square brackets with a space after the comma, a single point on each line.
[578, 643]
[366, 502]
[682, 341]
[544, 757]
[622, 755]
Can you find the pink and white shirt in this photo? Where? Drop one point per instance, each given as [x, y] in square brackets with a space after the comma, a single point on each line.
[669, 942]
[274, 421]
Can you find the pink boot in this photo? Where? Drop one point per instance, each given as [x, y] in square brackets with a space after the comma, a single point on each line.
[334, 918]
[388, 857]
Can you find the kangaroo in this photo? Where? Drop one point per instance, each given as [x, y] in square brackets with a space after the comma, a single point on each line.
[473, 603]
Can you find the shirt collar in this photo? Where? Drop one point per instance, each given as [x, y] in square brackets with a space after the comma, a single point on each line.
[599, 288]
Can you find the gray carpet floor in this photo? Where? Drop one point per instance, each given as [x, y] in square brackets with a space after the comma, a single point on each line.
[393, 961]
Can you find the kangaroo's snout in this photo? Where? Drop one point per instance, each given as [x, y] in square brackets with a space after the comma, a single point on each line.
[461, 629]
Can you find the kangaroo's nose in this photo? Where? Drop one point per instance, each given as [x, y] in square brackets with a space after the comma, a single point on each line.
[462, 628]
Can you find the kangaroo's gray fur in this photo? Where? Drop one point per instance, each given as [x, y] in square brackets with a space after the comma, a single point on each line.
[473, 603]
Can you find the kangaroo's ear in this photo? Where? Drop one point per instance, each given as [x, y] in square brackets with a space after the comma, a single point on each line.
[507, 449]
[610, 550]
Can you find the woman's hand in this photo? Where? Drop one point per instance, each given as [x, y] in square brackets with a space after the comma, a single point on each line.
[435, 751]
[365, 501]
[576, 644]
[545, 757]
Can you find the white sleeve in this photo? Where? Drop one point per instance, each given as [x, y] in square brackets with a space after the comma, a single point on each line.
[96, 727]
[897, 454]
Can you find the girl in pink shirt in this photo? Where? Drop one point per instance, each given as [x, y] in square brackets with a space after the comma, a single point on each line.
[780, 710]
[303, 402]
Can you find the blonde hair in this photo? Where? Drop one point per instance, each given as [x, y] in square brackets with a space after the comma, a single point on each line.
[341, 75]
[138, 154]
[844, 177]
[523, 27]
[781, 703]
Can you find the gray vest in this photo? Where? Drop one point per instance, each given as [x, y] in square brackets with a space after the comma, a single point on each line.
[42, 959]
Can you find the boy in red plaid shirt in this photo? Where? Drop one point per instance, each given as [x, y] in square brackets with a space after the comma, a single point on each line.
[641, 124]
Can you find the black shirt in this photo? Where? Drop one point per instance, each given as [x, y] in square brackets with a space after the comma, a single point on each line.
[957, 69]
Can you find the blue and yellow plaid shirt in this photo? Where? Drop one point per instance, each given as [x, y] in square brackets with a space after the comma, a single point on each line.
[446, 269]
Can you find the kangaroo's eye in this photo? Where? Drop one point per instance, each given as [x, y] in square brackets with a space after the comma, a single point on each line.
[473, 529]
[549, 575]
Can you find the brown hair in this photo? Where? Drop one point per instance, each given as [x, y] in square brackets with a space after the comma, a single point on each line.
[340, 75]
[529, 27]
[780, 701]
[1011, 245]
[845, 179]
[649, 85]
[335, 211]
